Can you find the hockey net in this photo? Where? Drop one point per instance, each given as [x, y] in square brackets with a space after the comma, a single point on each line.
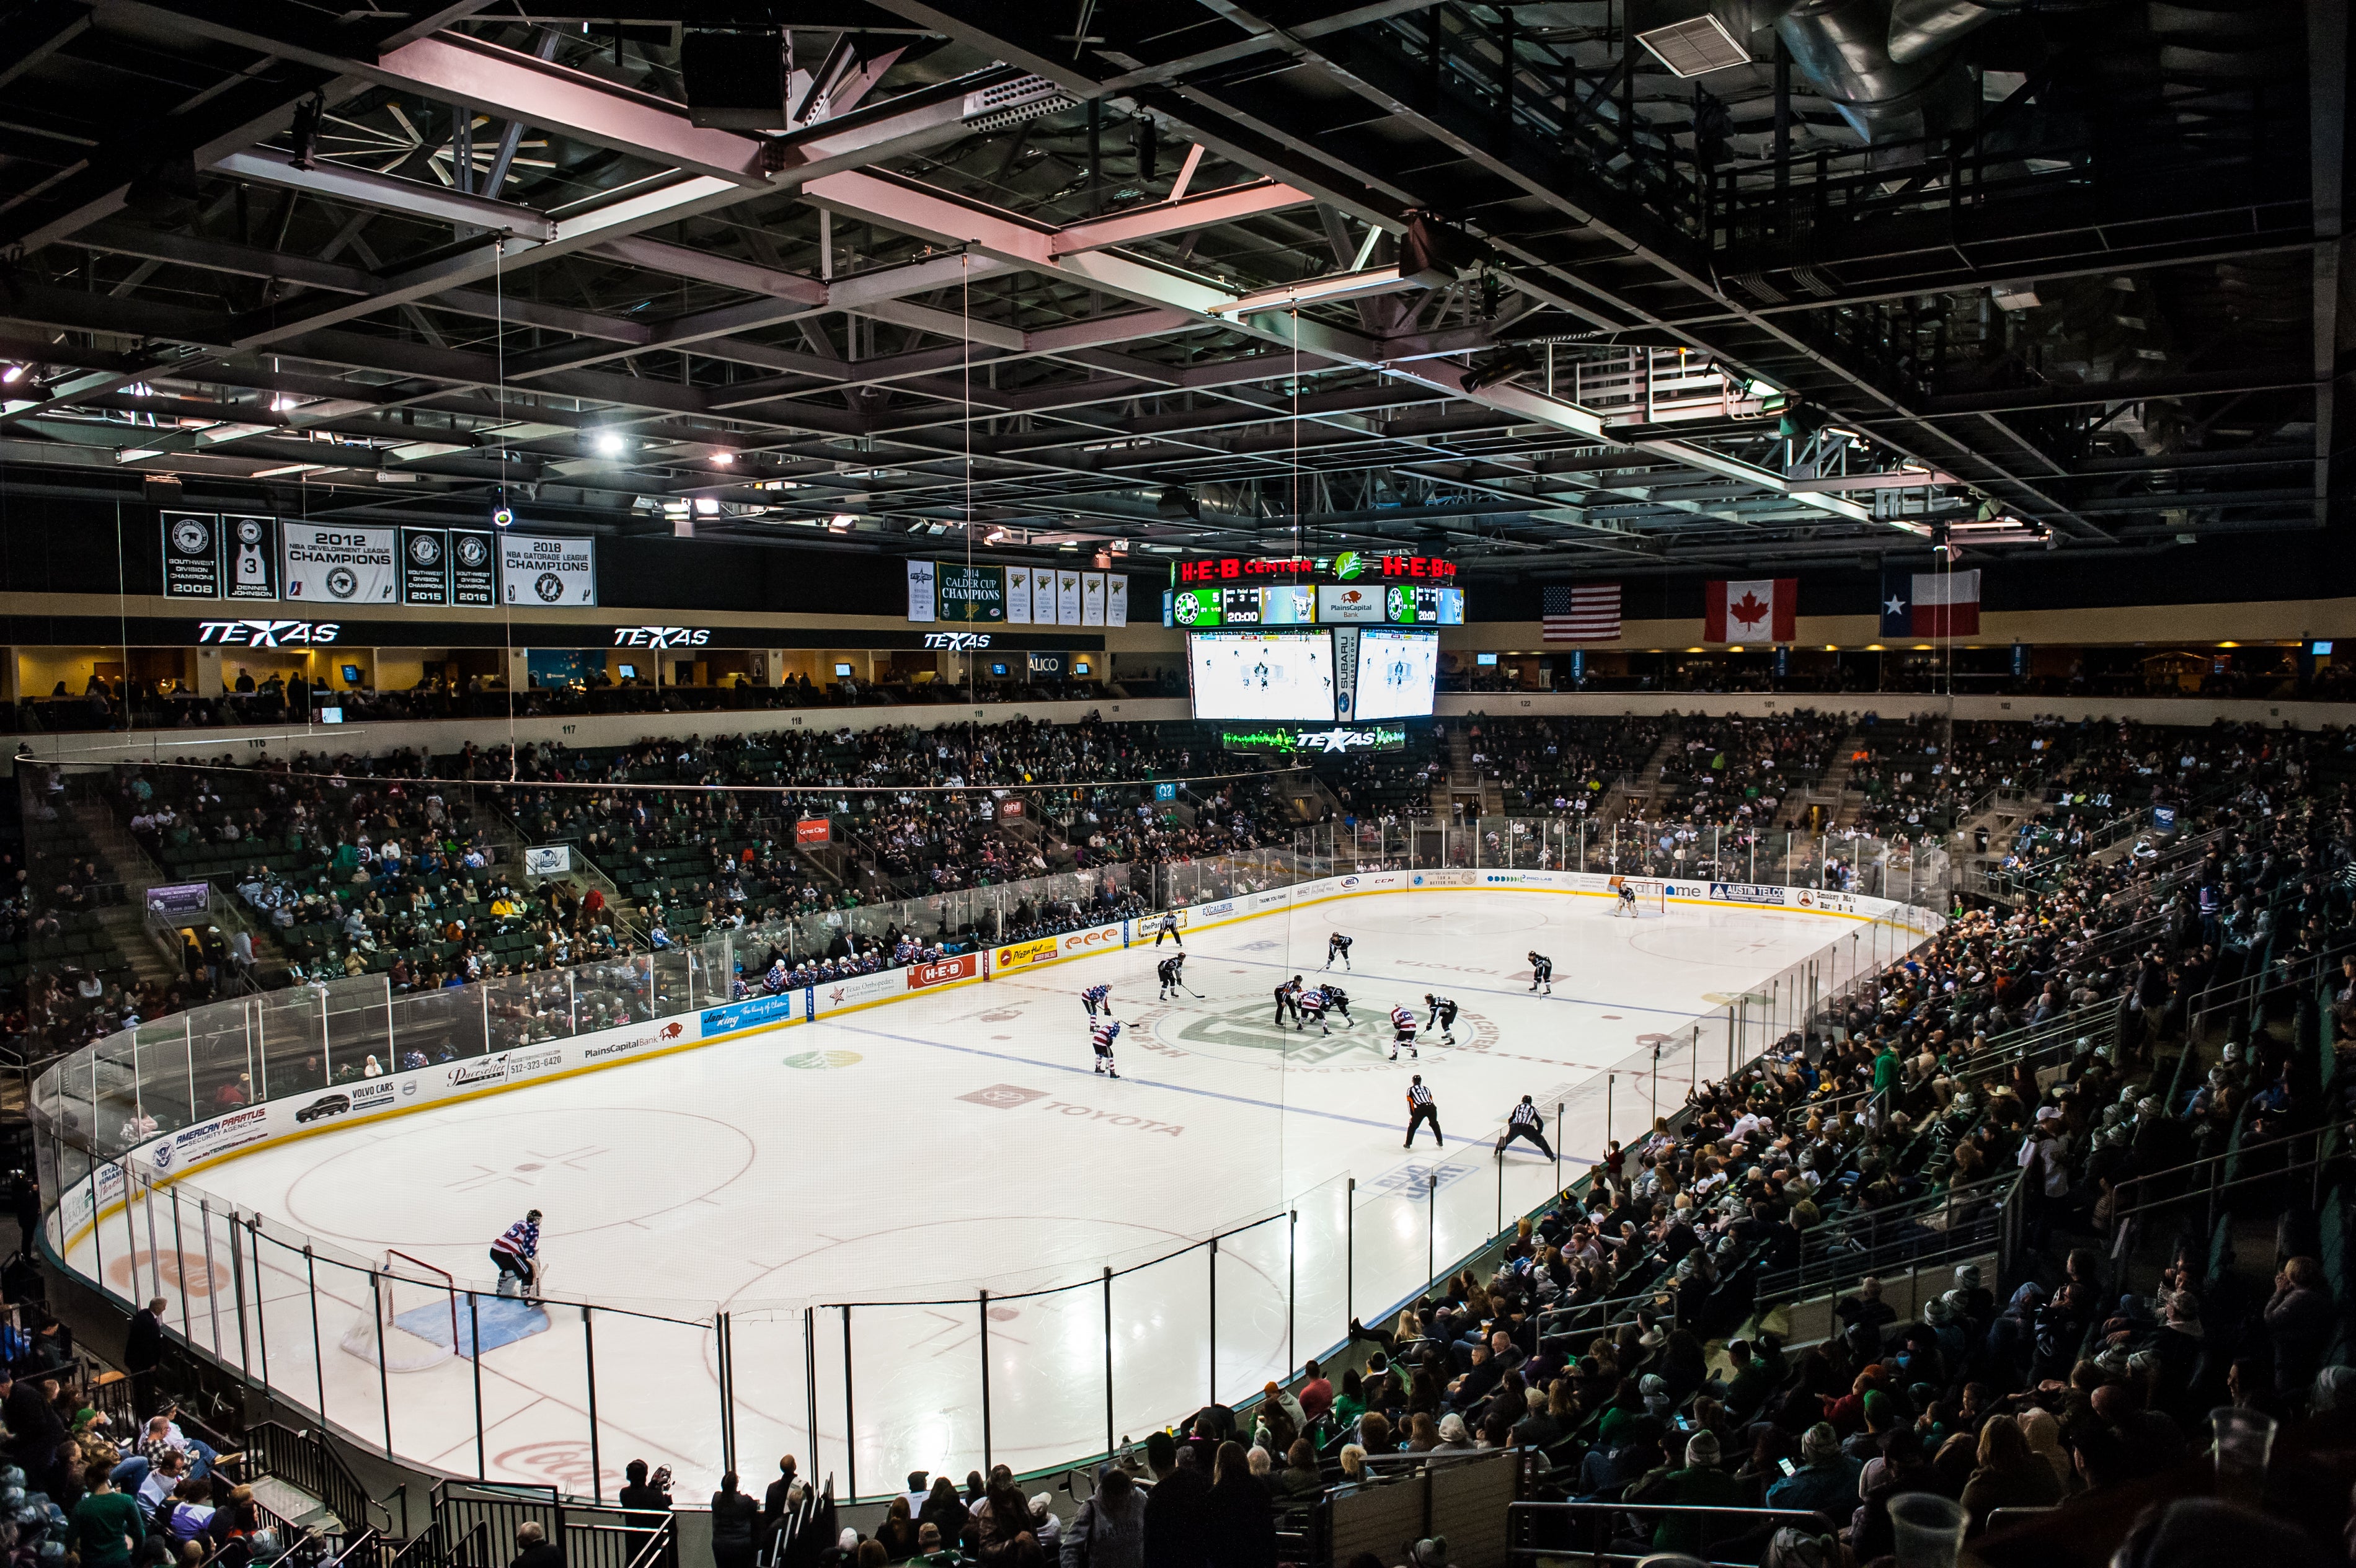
[1652, 898]
[412, 1323]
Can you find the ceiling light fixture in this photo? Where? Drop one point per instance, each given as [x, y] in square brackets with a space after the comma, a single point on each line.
[12, 375]
[705, 506]
[722, 459]
[607, 443]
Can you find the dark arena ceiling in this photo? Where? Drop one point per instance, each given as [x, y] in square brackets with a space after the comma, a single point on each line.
[1609, 285]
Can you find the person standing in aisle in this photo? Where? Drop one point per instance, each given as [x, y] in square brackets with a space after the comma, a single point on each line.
[1421, 1108]
[1542, 972]
[1524, 1121]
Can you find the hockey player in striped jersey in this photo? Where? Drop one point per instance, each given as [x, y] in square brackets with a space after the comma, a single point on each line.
[1102, 1034]
[1311, 1005]
[1524, 1120]
[1403, 1034]
[517, 1253]
[1098, 999]
[1444, 1016]
[1421, 1108]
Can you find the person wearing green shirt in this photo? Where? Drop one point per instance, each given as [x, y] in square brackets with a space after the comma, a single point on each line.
[106, 1524]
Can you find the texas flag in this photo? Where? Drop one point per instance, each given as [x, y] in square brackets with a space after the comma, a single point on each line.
[1930, 604]
[1761, 610]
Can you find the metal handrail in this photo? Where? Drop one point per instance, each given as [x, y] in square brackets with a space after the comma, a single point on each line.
[1601, 1518]
[2217, 1160]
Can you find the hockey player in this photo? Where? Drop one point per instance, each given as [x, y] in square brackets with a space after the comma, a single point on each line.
[1287, 1000]
[1169, 972]
[1167, 927]
[1102, 1034]
[1403, 1034]
[1542, 972]
[517, 1253]
[1524, 1121]
[1338, 1000]
[1443, 1017]
[1627, 903]
[1421, 1108]
[1311, 1006]
[1337, 946]
[1098, 999]
[777, 979]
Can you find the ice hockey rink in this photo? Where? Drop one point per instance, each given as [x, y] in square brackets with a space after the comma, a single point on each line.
[906, 1157]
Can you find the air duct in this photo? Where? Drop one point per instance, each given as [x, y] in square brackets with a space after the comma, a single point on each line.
[1921, 28]
[1842, 48]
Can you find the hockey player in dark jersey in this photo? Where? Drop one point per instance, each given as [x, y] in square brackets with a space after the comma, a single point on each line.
[1443, 1017]
[1338, 1000]
[1542, 972]
[1171, 971]
[1337, 946]
[1098, 999]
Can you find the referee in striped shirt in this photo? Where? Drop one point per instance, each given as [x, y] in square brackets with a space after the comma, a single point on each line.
[1524, 1121]
[1421, 1108]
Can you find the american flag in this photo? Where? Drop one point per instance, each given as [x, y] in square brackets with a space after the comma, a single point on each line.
[1588, 612]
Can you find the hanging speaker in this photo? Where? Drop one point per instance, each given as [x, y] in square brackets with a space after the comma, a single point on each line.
[733, 81]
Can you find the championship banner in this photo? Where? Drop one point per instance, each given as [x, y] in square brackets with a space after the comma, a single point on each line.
[474, 573]
[1067, 598]
[975, 594]
[339, 563]
[1092, 598]
[536, 569]
[192, 564]
[1018, 595]
[921, 579]
[1117, 599]
[424, 566]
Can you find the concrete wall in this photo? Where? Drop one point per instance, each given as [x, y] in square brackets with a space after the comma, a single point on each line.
[2199, 712]
[440, 735]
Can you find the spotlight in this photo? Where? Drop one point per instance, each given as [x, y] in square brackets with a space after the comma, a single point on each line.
[841, 522]
[722, 459]
[1499, 367]
[12, 375]
[607, 443]
[705, 506]
[502, 515]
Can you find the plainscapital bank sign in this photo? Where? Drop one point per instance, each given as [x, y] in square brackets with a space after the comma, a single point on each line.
[1332, 740]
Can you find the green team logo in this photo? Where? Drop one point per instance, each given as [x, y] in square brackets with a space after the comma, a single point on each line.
[1348, 564]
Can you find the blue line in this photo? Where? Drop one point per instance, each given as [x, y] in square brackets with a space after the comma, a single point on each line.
[1289, 1110]
[1148, 1083]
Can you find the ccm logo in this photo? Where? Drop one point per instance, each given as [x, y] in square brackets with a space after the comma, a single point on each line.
[957, 640]
[1088, 940]
[660, 637]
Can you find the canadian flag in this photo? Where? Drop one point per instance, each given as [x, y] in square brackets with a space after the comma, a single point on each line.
[1761, 610]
